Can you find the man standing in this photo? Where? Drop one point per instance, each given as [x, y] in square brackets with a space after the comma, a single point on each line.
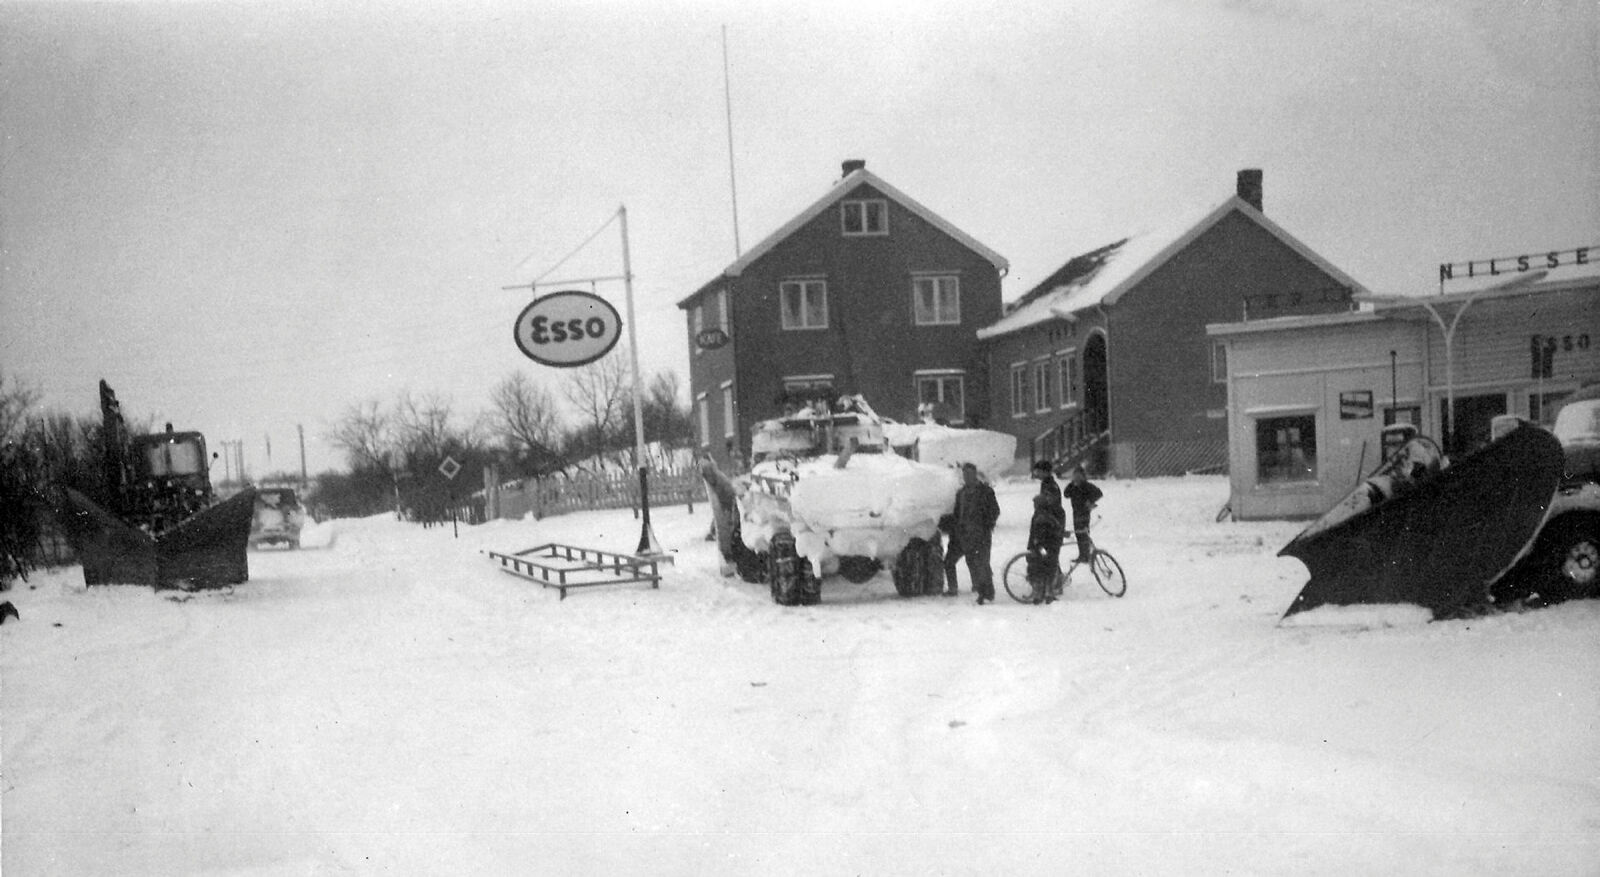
[975, 516]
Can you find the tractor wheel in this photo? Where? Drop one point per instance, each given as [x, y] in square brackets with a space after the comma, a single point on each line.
[790, 576]
[933, 569]
[752, 565]
[809, 592]
[857, 570]
[911, 569]
[1572, 560]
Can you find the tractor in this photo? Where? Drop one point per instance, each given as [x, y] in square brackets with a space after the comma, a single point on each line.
[161, 523]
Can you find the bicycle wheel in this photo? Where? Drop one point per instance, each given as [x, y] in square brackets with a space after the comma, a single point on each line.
[1109, 574]
[1015, 579]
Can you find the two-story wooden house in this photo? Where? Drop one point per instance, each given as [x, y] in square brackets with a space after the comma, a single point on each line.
[865, 291]
[1107, 360]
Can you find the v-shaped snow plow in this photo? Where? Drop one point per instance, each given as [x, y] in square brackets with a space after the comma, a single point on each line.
[1440, 539]
[160, 524]
[205, 550]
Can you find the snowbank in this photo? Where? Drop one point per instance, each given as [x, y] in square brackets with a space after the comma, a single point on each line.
[396, 704]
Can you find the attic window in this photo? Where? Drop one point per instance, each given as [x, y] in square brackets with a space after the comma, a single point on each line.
[861, 218]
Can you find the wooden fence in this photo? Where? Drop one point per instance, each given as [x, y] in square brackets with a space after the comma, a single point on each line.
[545, 497]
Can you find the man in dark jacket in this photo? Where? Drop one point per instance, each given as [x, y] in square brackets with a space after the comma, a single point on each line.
[975, 516]
[1083, 497]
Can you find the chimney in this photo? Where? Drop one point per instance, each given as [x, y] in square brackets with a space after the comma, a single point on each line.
[851, 165]
[1250, 187]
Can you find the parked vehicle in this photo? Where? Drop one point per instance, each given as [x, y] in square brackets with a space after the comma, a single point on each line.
[836, 489]
[1563, 561]
[278, 518]
[1517, 521]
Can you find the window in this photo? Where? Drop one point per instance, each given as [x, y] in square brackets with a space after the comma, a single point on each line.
[704, 412]
[1219, 363]
[1067, 366]
[723, 322]
[945, 391]
[864, 217]
[697, 322]
[1019, 389]
[793, 383]
[728, 430]
[1042, 385]
[936, 300]
[804, 304]
[1542, 407]
[1286, 449]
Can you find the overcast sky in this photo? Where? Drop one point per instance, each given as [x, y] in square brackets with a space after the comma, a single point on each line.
[250, 217]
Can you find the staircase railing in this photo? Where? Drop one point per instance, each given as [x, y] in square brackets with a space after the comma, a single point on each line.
[1068, 442]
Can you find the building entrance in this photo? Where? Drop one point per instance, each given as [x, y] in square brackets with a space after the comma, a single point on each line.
[1473, 415]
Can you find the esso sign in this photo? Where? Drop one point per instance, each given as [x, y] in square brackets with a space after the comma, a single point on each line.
[568, 329]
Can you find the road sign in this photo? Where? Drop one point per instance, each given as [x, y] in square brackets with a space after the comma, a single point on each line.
[449, 468]
[568, 329]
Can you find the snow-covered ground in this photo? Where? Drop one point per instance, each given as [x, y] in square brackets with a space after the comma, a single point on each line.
[391, 702]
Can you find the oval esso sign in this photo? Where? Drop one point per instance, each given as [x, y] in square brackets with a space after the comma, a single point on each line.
[567, 329]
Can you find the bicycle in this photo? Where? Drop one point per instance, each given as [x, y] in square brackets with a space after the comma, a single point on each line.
[1105, 568]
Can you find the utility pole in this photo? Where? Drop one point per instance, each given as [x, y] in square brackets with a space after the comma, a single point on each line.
[300, 427]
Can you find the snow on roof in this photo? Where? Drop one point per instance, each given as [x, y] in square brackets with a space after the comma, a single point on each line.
[845, 186]
[1105, 274]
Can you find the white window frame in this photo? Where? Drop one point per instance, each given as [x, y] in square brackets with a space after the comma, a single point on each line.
[939, 316]
[1041, 385]
[805, 287]
[697, 322]
[806, 382]
[859, 207]
[1259, 418]
[728, 430]
[703, 410]
[722, 311]
[1019, 389]
[1067, 376]
[939, 376]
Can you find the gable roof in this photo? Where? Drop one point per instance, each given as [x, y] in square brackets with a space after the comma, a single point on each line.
[1102, 276]
[845, 186]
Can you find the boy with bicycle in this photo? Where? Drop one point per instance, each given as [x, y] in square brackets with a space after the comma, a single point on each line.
[1045, 535]
[1083, 496]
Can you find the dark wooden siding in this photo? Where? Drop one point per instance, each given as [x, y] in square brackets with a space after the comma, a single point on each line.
[872, 344]
[1161, 383]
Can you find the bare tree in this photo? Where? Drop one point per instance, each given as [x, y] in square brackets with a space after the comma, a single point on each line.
[666, 419]
[526, 423]
[422, 426]
[16, 401]
[601, 393]
[366, 435]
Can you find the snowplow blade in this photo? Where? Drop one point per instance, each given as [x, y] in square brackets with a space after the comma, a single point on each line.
[206, 550]
[1440, 543]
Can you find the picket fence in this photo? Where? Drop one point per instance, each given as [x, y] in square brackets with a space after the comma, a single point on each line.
[545, 497]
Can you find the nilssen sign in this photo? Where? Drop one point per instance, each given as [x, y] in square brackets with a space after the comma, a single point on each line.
[568, 329]
[1514, 264]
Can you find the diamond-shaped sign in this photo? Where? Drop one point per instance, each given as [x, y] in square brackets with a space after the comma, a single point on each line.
[449, 468]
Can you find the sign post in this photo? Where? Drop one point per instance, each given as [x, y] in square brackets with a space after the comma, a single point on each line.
[569, 329]
[449, 469]
[647, 536]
